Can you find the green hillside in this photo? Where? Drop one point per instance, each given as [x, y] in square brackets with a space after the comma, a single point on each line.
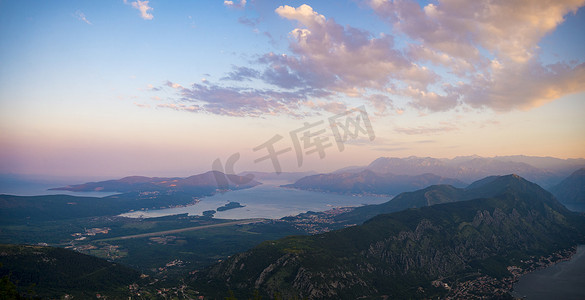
[400, 254]
[48, 272]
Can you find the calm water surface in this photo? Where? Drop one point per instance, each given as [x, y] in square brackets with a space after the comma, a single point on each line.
[564, 280]
[265, 201]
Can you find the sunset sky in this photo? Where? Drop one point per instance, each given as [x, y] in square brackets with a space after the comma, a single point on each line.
[163, 88]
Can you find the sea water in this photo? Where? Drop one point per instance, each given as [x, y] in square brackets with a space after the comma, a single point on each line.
[265, 201]
[565, 280]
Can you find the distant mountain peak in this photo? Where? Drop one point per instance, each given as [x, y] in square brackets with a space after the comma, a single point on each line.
[572, 189]
[206, 180]
[545, 171]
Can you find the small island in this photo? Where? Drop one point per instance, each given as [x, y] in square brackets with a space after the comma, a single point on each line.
[230, 205]
[209, 213]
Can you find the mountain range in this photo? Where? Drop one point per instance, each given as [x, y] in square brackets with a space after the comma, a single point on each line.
[205, 181]
[477, 232]
[545, 171]
[369, 182]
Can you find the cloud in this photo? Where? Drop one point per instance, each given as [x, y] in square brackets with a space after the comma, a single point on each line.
[141, 105]
[430, 100]
[381, 103]
[510, 29]
[457, 66]
[334, 107]
[241, 74]
[239, 102]
[233, 4]
[174, 85]
[143, 7]
[248, 21]
[151, 87]
[391, 149]
[491, 46]
[523, 86]
[304, 14]
[342, 59]
[81, 16]
[326, 58]
[470, 54]
[424, 130]
[180, 107]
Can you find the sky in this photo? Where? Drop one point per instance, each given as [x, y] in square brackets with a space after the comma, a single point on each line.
[176, 88]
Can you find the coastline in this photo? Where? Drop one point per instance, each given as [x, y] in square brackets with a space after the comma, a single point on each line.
[555, 279]
[482, 284]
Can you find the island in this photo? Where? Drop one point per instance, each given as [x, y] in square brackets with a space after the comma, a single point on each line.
[230, 205]
[209, 213]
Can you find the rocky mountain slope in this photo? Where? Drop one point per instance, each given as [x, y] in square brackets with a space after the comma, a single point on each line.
[400, 255]
[572, 189]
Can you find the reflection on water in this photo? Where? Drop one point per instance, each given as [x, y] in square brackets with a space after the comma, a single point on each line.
[565, 280]
[265, 201]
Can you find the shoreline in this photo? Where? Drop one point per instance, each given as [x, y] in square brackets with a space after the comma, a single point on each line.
[487, 285]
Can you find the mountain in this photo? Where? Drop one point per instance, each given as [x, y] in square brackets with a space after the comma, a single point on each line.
[553, 164]
[546, 171]
[26, 209]
[140, 193]
[370, 182]
[572, 189]
[408, 254]
[54, 272]
[282, 177]
[467, 169]
[488, 187]
[205, 181]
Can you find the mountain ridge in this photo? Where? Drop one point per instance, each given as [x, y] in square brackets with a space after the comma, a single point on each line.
[370, 182]
[490, 186]
[55, 272]
[571, 189]
[400, 255]
[546, 171]
[143, 183]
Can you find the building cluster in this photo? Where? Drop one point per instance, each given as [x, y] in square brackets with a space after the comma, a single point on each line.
[487, 286]
[314, 223]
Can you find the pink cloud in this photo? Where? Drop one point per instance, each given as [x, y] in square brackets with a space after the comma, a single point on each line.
[509, 76]
[143, 7]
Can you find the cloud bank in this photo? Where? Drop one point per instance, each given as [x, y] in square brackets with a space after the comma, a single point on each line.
[453, 53]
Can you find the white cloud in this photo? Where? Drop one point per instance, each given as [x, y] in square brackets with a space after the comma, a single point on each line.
[233, 4]
[81, 16]
[143, 7]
